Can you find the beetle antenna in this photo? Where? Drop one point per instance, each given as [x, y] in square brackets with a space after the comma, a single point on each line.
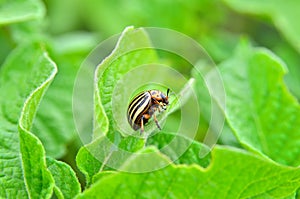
[168, 92]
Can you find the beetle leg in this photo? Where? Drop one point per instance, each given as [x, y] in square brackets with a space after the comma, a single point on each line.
[156, 122]
[155, 101]
[145, 116]
[142, 125]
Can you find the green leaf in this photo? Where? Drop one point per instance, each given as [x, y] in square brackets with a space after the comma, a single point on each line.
[180, 149]
[124, 58]
[24, 77]
[87, 162]
[232, 174]
[66, 182]
[20, 10]
[91, 157]
[37, 178]
[259, 108]
[211, 111]
[131, 67]
[283, 15]
[102, 155]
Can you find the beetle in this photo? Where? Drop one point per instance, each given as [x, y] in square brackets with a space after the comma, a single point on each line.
[144, 106]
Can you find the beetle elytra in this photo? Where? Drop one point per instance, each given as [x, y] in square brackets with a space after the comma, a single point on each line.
[144, 106]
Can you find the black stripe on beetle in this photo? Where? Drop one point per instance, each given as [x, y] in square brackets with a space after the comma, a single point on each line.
[144, 106]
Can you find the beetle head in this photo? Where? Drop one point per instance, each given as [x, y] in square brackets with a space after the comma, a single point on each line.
[160, 97]
[165, 98]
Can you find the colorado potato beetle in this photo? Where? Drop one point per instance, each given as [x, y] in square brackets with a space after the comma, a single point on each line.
[144, 106]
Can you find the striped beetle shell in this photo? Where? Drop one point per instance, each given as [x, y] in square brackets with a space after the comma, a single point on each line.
[144, 106]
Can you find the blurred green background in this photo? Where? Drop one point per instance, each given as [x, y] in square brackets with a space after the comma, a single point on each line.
[72, 28]
[217, 25]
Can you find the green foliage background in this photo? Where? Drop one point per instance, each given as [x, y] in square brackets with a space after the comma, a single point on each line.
[255, 44]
